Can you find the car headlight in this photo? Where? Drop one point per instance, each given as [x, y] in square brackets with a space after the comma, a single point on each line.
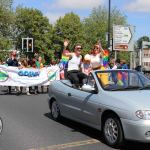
[143, 114]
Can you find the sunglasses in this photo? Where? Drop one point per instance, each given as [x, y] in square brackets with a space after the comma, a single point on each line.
[97, 49]
[78, 48]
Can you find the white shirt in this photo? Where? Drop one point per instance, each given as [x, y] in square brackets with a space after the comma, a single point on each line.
[74, 62]
[96, 61]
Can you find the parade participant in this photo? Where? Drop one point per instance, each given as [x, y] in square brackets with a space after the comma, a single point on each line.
[33, 65]
[12, 61]
[97, 57]
[1, 62]
[123, 64]
[116, 64]
[24, 64]
[64, 61]
[36, 54]
[86, 66]
[39, 63]
[74, 73]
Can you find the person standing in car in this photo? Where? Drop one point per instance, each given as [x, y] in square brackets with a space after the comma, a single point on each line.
[74, 71]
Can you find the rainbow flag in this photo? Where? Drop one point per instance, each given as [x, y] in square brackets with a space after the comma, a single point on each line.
[105, 58]
[64, 60]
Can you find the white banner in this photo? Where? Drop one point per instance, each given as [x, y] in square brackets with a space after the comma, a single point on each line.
[13, 76]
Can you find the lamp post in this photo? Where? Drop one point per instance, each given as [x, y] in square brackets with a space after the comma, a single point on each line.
[109, 13]
[59, 33]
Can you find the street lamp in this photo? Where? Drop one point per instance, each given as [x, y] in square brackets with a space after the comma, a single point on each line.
[109, 13]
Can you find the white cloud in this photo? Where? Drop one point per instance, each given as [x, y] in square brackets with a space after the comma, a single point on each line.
[139, 6]
[58, 8]
[76, 4]
[53, 16]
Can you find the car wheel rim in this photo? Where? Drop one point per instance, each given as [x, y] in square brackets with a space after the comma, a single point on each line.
[55, 110]
[111, 131]
[1, 125]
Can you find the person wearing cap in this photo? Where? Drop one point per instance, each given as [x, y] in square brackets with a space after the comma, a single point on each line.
[74, 73]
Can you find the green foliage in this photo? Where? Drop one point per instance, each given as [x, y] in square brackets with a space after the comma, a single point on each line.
[31, 23]
[69, 27]
[6, 4]
[6, 24]
[4, 55]
[96, 25]
[5, 43]
[124, 56]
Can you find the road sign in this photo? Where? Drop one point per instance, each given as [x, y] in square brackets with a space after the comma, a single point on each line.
[123, 38]
[145, 45]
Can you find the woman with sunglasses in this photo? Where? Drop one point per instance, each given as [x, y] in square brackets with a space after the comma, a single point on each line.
[74, 72]
[97, 57]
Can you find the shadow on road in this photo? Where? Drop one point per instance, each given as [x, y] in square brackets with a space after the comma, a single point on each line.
[96, 134]
[77, 127]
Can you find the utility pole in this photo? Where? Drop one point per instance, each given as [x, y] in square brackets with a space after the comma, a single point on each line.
[109, 15]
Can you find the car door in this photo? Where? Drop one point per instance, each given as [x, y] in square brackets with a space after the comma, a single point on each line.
[82, 105]
[90, 106]
[69, 100]
[72, 101]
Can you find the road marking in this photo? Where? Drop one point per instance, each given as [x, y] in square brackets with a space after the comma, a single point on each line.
[68, 145]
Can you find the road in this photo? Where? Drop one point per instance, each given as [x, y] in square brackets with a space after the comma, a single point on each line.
[28, 126]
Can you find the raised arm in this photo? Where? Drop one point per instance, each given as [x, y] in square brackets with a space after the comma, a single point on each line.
[65, 51]
[66, 42]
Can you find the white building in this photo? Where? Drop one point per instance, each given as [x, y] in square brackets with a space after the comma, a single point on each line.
[146, 59]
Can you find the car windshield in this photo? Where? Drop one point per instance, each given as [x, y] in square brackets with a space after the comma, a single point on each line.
[121, 80]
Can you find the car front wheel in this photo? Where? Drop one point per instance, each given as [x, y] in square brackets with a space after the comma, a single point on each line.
[112, 131]
[55, 111]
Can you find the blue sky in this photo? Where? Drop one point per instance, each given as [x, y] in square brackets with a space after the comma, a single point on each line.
[137, 11]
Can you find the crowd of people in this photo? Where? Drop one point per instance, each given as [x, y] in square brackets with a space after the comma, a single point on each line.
[35, 62]
[73, 65]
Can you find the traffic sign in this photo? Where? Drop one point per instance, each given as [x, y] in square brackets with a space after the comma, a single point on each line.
[145, 45]
[123, 38]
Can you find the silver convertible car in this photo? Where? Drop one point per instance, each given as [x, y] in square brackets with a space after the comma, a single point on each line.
[116, 102]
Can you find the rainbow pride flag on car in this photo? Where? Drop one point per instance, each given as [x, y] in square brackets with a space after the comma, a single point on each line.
[105, 58]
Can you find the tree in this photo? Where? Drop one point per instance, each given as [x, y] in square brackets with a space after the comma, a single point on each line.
[69, 27]
[122, 55]
[6, 4]
[96, 25]
[139, 41]
[6, 24]
[31, 23]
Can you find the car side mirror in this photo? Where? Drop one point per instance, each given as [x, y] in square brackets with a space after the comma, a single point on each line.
[89, 88]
